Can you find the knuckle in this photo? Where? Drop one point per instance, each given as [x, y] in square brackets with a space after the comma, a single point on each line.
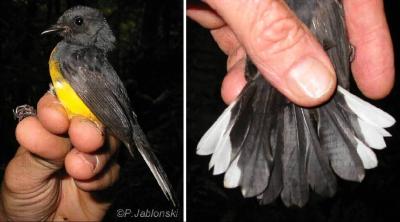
[276, 29]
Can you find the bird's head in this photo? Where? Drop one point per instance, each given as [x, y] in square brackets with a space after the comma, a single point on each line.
[82, 25]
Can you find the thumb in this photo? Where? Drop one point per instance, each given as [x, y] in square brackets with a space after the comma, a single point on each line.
[281, 47]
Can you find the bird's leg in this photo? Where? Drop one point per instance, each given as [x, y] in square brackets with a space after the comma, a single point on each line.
[51, 89]
[352, 52]
[23, 111]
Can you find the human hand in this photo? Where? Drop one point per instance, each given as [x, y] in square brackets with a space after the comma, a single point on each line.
[53, 177]
[284, 50]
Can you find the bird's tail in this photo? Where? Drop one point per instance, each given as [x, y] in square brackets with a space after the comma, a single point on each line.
[268, 146]
[140, 142]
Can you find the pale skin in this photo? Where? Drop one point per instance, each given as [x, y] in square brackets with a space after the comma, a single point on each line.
[50, 143]
[283, 49]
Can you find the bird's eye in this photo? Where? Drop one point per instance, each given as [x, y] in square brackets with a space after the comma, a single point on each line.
[78, 20]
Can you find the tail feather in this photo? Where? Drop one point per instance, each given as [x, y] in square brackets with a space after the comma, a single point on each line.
[319, 173]
[362, 119]
[366, 155]
[255, 151]
[208, 146]
[275, 184]
[295, 147]
[242, 121]
[370, 135]
[270, 147]
[337, 138]
[233, 174]
[140, 142]
[221, 157]
[365, 111]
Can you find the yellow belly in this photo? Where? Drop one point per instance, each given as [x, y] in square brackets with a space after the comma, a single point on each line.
[73, 105]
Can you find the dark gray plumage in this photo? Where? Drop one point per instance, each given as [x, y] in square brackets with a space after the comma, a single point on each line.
[278, 148]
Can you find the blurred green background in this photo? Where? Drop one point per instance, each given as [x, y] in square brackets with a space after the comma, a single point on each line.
[149, 59]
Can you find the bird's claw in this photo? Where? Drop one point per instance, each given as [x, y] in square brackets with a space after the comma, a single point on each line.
[352, 53]
[23, 111]
[51, 89]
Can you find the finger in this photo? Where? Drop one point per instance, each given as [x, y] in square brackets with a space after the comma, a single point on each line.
[235, 57]
[26, 172]
[226, 39]
[85, 135]
[205, 16]
[52, 114]
[84, 166]
[234, 82]
[222, 34]
[373, 66]
[281, 47]
[31, 134]
[102, 181]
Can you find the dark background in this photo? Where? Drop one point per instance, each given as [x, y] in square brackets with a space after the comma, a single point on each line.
[377, 198]
[149, 59]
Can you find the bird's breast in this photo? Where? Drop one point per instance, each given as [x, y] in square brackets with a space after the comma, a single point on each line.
[72, 103]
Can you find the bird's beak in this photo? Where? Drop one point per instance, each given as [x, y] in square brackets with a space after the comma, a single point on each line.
[54, 28]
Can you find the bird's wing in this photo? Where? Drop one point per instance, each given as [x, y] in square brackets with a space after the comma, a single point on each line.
[98, 85]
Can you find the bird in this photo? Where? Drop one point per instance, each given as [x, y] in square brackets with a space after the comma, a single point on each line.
[268, 147]
[87, 85]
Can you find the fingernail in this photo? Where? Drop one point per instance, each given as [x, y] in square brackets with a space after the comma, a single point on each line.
[92, 160]
[58, 106]
[310, 78]
[93, 124]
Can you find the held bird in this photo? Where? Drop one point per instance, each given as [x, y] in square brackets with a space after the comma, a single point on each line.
[270, 147]
[87, 85]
